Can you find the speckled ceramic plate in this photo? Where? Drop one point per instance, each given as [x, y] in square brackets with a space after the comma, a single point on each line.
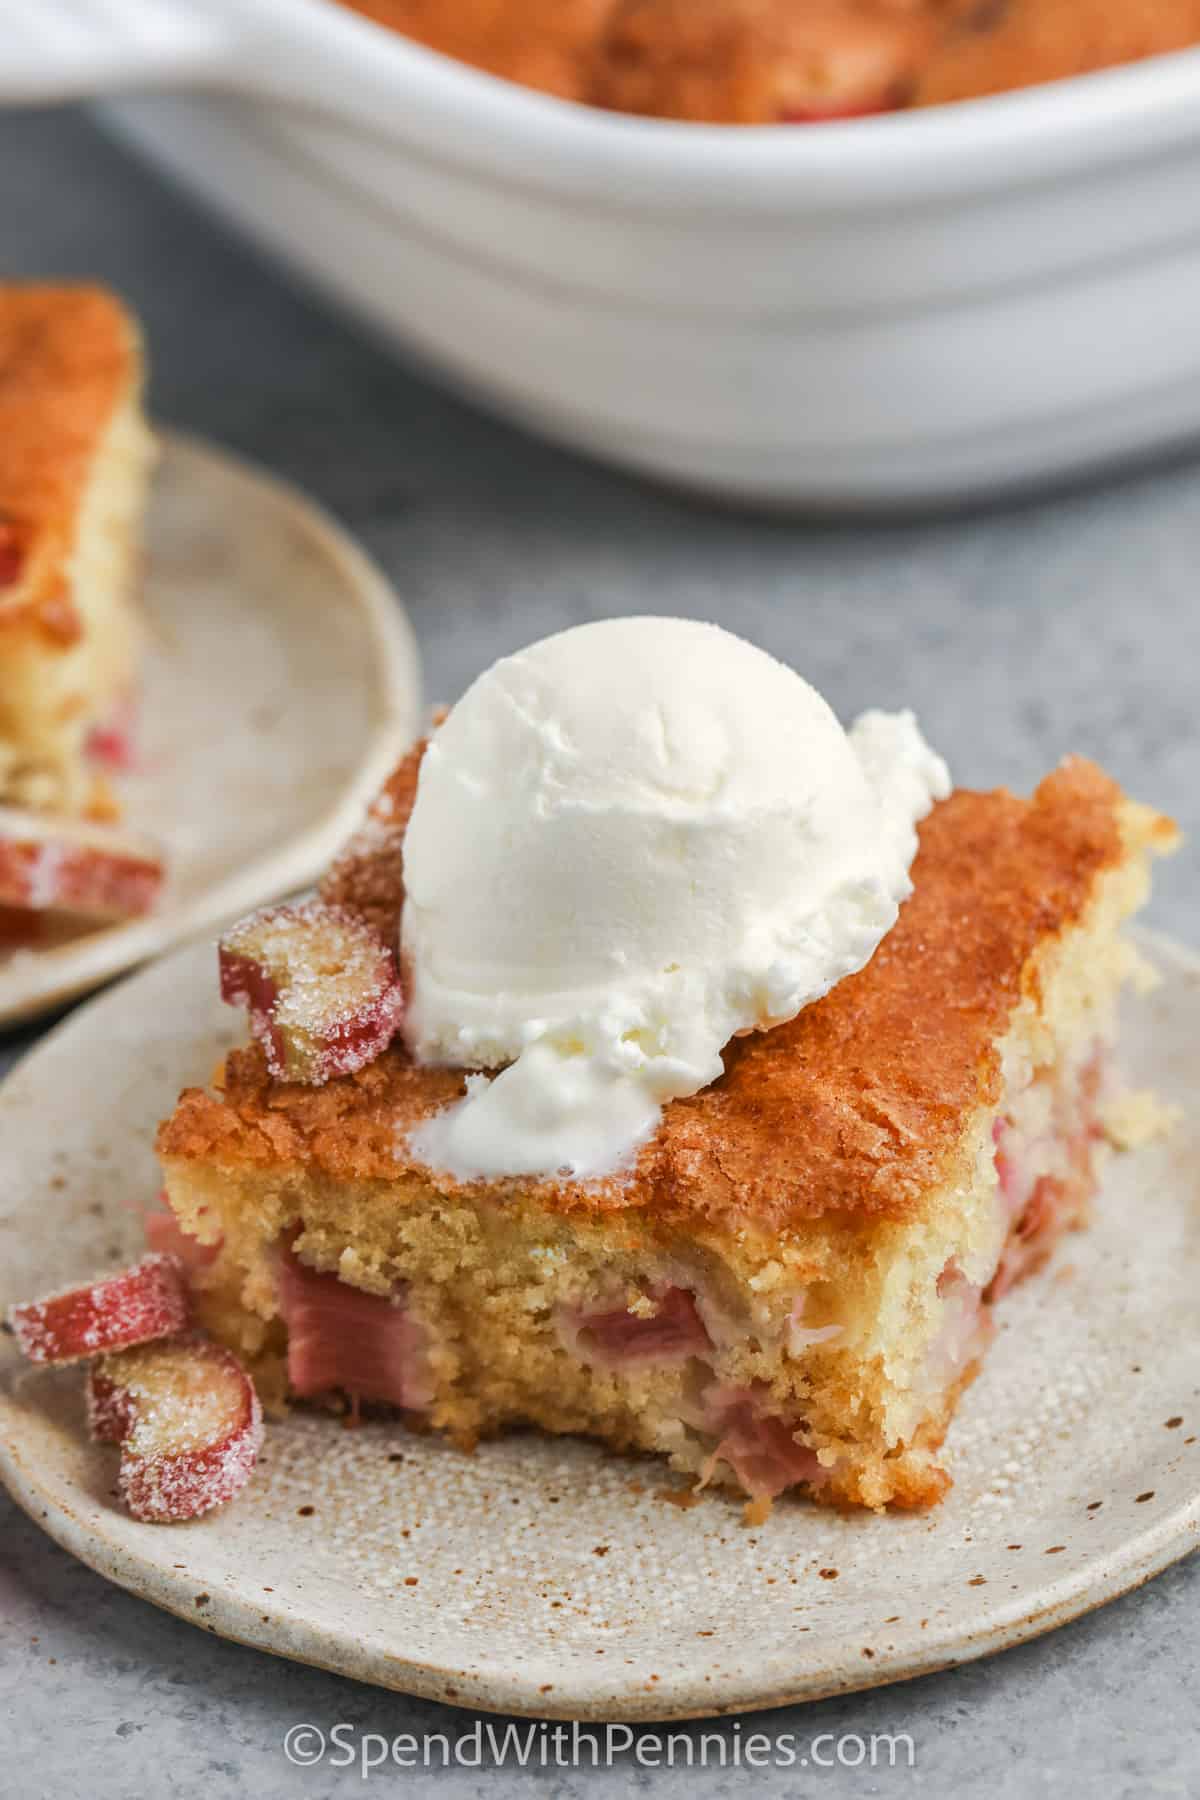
[280, 684]
[547, 1577]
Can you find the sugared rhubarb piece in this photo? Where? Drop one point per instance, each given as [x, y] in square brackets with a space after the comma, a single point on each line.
[50, 864]
[321, 987]
[188, 1421]
[135, 1306]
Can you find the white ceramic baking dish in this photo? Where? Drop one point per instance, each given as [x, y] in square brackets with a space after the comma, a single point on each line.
[888, 312]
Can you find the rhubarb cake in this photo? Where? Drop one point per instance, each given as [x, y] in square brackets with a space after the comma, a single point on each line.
[754, 62]
[75, 455]
[793, 1280]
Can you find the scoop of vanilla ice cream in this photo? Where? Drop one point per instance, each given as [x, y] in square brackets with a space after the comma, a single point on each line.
[630, 842]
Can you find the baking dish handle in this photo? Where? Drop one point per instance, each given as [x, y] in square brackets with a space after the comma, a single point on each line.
[80, 49]
[57, 50]
[293, 52]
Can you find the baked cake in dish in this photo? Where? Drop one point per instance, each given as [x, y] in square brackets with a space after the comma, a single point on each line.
[753, 62]
[746, 62]
[794, 1280]
[75, 456]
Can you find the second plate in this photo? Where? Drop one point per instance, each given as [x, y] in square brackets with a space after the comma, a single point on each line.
[281, 683]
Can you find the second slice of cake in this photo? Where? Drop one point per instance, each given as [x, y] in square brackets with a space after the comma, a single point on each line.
[75, 456]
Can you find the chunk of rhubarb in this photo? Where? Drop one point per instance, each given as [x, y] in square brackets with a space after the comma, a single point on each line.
[339, 1336]
[134, 1306]
[113, 741]
[12, 553]
[756, 1444]
[321, 987]
[965, 1330]
[669, 1330]
[50, 864]
[188, 1421]
[827, 112]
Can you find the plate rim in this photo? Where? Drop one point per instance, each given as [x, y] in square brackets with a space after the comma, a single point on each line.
[66, 972]
[490, 1686]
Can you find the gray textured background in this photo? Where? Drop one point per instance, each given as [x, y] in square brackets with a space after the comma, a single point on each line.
[1073, 624]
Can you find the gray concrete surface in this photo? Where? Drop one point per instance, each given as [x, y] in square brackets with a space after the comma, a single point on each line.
[1017, 635]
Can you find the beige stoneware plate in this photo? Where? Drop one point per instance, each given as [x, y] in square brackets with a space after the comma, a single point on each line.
[545, 1577]
[280, 684]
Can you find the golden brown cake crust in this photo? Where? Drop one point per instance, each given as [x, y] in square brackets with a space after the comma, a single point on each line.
[764, 61]
[68, 356]
[854, 1107]
[368, 877]
[545, 44]
[1035, 41]
[752, 62]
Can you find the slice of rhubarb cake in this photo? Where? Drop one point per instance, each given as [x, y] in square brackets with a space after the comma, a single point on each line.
[75, 455]
[794, 1280]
